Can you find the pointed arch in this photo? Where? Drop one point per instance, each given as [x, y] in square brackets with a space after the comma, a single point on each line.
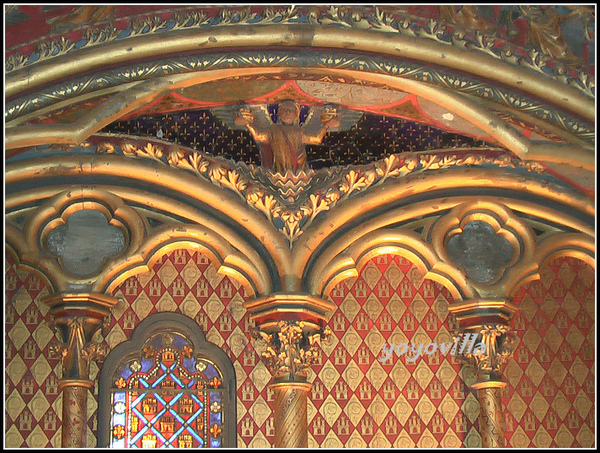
[135, 400]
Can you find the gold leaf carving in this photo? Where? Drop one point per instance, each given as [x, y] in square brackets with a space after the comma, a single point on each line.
[499, 341]
[291, 351]
[295, 212]
[195, 163]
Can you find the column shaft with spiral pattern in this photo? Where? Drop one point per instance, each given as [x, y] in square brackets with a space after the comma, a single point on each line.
[491, 421]
[74, 413]
[291, 422]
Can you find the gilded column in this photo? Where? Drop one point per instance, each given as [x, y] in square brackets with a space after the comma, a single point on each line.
[291, 414]
[74, 412]
[290, 326]
[486, 321]
[77, 318]
[491, 422]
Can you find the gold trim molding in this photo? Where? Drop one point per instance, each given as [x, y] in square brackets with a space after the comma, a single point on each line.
[141, 86]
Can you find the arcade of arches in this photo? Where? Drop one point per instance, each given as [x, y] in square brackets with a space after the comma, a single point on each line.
[171, 280]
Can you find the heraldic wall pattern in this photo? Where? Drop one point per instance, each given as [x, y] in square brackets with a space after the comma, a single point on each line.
[356, 400]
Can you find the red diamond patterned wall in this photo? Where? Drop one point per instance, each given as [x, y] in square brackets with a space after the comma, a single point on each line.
[356, 400]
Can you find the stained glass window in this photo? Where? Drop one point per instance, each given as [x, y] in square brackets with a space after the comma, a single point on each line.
[169, 396]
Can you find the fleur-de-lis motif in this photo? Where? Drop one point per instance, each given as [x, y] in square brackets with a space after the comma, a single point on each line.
[120, 383]
[148, 352]
[119, 431]
[187, 351]
[216, 430]
[215, 382]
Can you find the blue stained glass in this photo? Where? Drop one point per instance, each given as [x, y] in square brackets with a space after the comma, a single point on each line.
[163, 398]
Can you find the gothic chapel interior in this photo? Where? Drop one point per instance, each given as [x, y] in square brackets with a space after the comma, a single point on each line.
[299, 226]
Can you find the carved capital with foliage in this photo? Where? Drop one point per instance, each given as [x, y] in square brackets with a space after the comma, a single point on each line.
[291, 350]
[77, 319]
[495, 345]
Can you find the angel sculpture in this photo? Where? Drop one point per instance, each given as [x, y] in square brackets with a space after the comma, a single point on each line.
[282, 143]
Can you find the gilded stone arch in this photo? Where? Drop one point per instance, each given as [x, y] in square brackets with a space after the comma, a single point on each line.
[250, 271]
[70, 90]
[10, 254]
[44, 240]
[325, 275]
[200, 372]
[487, 241]
[417, 197]
[555, 245]
[576, 245]
[444, 87]
[185, 198]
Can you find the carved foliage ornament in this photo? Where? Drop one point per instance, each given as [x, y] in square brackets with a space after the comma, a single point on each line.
[77, 346]
[290, 351]
[293, 217]
[499, 341]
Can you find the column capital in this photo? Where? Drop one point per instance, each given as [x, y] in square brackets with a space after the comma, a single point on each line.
[77, 317]
[290, 326]
[291, 349]
[495, 346]
[487, 319]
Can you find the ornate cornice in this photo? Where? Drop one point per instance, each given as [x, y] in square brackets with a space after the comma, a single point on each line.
[349, 17]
